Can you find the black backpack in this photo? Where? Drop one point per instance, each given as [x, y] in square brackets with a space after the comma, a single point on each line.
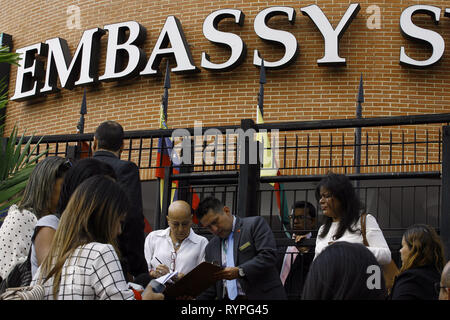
[19, 276]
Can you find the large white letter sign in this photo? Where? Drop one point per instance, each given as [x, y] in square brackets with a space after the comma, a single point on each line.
[172, 33]
[119, 48]
[227, 39]
[330, 36]
[60, 63]
[29, 72]
[411, 31]
[284, 38]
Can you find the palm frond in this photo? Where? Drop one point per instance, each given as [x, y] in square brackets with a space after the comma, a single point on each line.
[9, 57]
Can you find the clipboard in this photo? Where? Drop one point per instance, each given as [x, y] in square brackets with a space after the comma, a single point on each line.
[195, 282]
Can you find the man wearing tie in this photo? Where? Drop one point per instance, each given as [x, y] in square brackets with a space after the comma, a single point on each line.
[246, 248]
[294, 264]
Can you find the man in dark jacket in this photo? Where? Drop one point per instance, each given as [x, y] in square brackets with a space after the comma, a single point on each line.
[295, 262]
[246, 248]
[108, 145]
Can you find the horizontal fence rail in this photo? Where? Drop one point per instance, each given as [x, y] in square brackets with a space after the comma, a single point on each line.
[297, 150]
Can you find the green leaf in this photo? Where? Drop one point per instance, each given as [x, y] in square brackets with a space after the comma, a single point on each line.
[9, 57]
[22, 175]
[7, 154]
[9, 204]
[12, 191]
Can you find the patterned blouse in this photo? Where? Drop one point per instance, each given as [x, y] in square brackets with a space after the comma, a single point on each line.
[15, 238]
[93, 272]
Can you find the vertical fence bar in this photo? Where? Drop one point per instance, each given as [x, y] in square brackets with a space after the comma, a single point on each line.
[307, 151]
[331, 151]
[248, 183]
[296, 153]
[343, 154]
[318, 151]
[390, 148]
[140, 152]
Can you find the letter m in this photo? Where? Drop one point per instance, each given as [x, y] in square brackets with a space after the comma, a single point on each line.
[83, 65]
[247, 155]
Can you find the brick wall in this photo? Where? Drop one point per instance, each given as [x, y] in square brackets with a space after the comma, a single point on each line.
[302, 91]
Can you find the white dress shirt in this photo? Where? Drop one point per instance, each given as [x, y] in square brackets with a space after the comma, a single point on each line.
[158, 246]
[377, 244]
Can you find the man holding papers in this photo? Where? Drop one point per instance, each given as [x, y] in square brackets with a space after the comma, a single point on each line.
[246, 248]
[176, 248]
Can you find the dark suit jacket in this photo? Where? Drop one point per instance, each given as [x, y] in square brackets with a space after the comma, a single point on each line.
[416, 284]
[131, 241]
[299, 270]
[297, 275]
[255, 252]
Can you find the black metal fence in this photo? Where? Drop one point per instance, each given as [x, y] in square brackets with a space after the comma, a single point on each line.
[402, 175]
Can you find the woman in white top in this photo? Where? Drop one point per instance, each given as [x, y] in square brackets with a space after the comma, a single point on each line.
[176, 248]
[341, 207]
[83, 263]
[40, 198]
[45, 228]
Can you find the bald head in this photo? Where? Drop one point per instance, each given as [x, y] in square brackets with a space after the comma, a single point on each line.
[179, 210]
[180, 220]
[444, 293]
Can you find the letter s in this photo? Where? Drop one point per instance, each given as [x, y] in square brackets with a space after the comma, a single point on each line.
[238, 48]
[411, 31]
[285, 38]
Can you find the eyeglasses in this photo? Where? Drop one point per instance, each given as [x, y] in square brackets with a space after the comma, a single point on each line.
[299, 218]
[438, 287]
[173, 257]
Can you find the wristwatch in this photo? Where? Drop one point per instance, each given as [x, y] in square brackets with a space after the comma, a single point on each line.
[241, 272]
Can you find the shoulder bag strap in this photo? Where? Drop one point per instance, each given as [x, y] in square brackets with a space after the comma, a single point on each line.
[363, 229]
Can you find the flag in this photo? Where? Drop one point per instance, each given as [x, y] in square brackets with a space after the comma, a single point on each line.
[270, 167]
[167, 157]
[165, 153]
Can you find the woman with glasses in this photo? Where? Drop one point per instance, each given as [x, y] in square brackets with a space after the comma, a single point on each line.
[177, 248]
[40, 198]
[342, 210]
[422, 256]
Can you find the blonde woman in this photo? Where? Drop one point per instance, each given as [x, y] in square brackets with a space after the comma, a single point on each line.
[83, 261]
[422, 256]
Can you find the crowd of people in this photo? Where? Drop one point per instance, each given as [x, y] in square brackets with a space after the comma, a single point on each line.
[80, 228]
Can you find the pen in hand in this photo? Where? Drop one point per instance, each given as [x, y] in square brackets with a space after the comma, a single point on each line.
[160, 270]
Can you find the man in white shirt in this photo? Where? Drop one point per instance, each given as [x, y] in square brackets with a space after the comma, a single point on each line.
[177, 248]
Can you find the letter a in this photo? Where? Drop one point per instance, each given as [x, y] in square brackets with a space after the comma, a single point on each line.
[374, 280]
